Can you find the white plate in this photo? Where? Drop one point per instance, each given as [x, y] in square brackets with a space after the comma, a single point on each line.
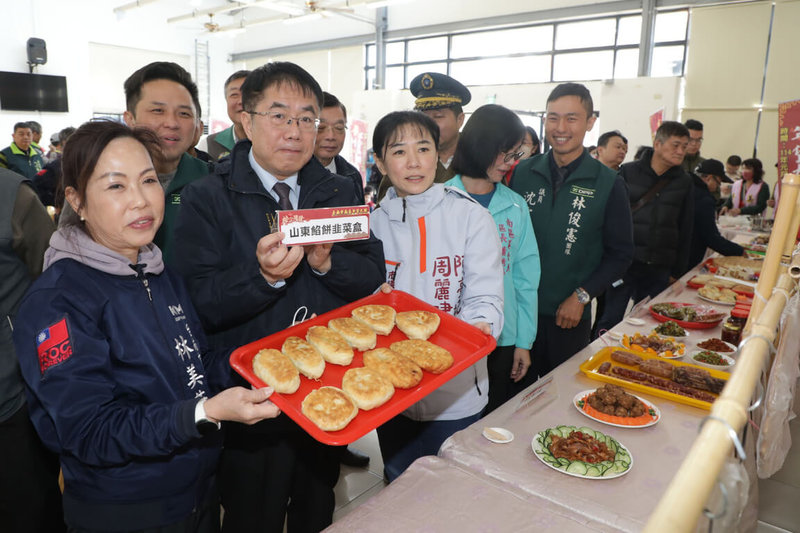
[727, 358]
[635, 321]
[669, 336]
[578, 397]
[729, 345]
[715, 301]
[540, 451]
[676, 356]
[615, 335]
[498, 435]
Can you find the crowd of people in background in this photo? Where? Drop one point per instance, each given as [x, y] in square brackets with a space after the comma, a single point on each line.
[166, 256]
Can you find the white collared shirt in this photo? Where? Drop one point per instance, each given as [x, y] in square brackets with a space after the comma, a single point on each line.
[332, 166]
[269, 181]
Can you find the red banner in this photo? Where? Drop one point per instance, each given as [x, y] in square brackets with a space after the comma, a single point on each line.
[655, 121]
[788, 138]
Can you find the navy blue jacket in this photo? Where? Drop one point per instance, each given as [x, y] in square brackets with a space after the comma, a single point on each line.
[115, 396]
[705, 233]
[222, 218]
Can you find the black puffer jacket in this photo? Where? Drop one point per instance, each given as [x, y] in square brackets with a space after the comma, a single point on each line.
[662, 229]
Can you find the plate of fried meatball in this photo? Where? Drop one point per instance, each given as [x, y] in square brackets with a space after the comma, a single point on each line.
[611, 405]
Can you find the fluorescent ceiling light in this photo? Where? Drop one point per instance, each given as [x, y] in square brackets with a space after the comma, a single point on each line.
[384, 3]
[302, 18]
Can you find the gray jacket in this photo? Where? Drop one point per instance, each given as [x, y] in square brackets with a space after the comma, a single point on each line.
[443, 239]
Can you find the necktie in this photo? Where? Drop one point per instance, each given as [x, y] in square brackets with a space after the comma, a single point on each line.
[282, 190]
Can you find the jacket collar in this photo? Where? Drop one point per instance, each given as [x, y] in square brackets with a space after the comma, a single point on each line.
[240, 176]
[586, 169]
[417, 205]
[72, 242]
[18, 151]
[189, 169]
[499, 201]
[647, 168]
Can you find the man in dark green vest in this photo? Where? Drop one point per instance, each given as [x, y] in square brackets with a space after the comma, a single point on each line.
[20, 156]
[162, 97]
[221, 143]
[582, 220]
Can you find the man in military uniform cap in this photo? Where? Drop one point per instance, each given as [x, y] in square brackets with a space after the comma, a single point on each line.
[440, 97]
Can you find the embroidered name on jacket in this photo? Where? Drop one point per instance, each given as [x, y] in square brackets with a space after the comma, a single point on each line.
[581, 196]
[53, 345]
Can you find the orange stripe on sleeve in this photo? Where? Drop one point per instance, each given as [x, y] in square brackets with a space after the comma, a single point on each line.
[423, 260]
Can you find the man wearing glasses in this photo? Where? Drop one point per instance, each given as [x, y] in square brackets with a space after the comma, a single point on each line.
[330, 140]
[246, 284]
[693, 158]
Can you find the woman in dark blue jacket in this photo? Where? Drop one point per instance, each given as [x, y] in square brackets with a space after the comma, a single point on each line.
[119, 381]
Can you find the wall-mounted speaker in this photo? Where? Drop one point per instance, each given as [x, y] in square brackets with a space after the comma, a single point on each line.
[37, 51]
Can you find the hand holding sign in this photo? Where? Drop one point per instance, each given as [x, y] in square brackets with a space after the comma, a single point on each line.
[276, 261]
[319, 256]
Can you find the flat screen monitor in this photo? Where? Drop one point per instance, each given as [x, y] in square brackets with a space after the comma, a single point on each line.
[20, 91]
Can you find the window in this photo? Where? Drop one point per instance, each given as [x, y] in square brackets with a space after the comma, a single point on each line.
[502, 70]
[586, 34]
[584, 66]
[586, 49]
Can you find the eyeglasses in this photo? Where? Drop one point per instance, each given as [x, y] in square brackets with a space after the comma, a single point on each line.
[282, 120]
[513, 156]
[338, 128]
[695, 141]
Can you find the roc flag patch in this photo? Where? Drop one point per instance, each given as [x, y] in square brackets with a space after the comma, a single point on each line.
[53, 345]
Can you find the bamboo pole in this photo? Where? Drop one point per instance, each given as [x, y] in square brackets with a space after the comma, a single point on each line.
[794, 267]
[785, 229]
[680, 507]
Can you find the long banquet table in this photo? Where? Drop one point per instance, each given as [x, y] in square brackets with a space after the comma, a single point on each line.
[438, 495]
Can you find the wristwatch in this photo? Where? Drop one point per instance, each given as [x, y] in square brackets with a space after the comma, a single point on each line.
[583, 296]
[201, 421]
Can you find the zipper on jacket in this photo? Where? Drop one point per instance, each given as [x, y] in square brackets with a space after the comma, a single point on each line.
[476, 382]
[404, 209]
[141, 275]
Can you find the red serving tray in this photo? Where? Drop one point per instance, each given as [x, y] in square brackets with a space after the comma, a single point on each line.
[684, 323]
[464, 341]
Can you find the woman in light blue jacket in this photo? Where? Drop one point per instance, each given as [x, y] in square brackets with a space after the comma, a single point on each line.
[490, 143]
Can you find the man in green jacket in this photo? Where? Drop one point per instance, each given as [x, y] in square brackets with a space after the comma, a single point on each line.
[582, 221]
[20, 156]
[220, 144]
[162, 97]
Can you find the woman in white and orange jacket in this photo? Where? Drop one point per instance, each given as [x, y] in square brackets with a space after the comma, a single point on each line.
[441, 246]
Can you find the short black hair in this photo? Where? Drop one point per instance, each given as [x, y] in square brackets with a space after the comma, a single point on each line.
[65, 134]
[387, 128]
[693, 124]
[239, 74]
[278, 73]
[734, 160]
[328, 100]
[604, 138]
[24, 125]
[641, 151]
[758, 168]
[670, 128]
[533, 134]
[490, 130]
[35, 126]
[159, 70]
[573, 89]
